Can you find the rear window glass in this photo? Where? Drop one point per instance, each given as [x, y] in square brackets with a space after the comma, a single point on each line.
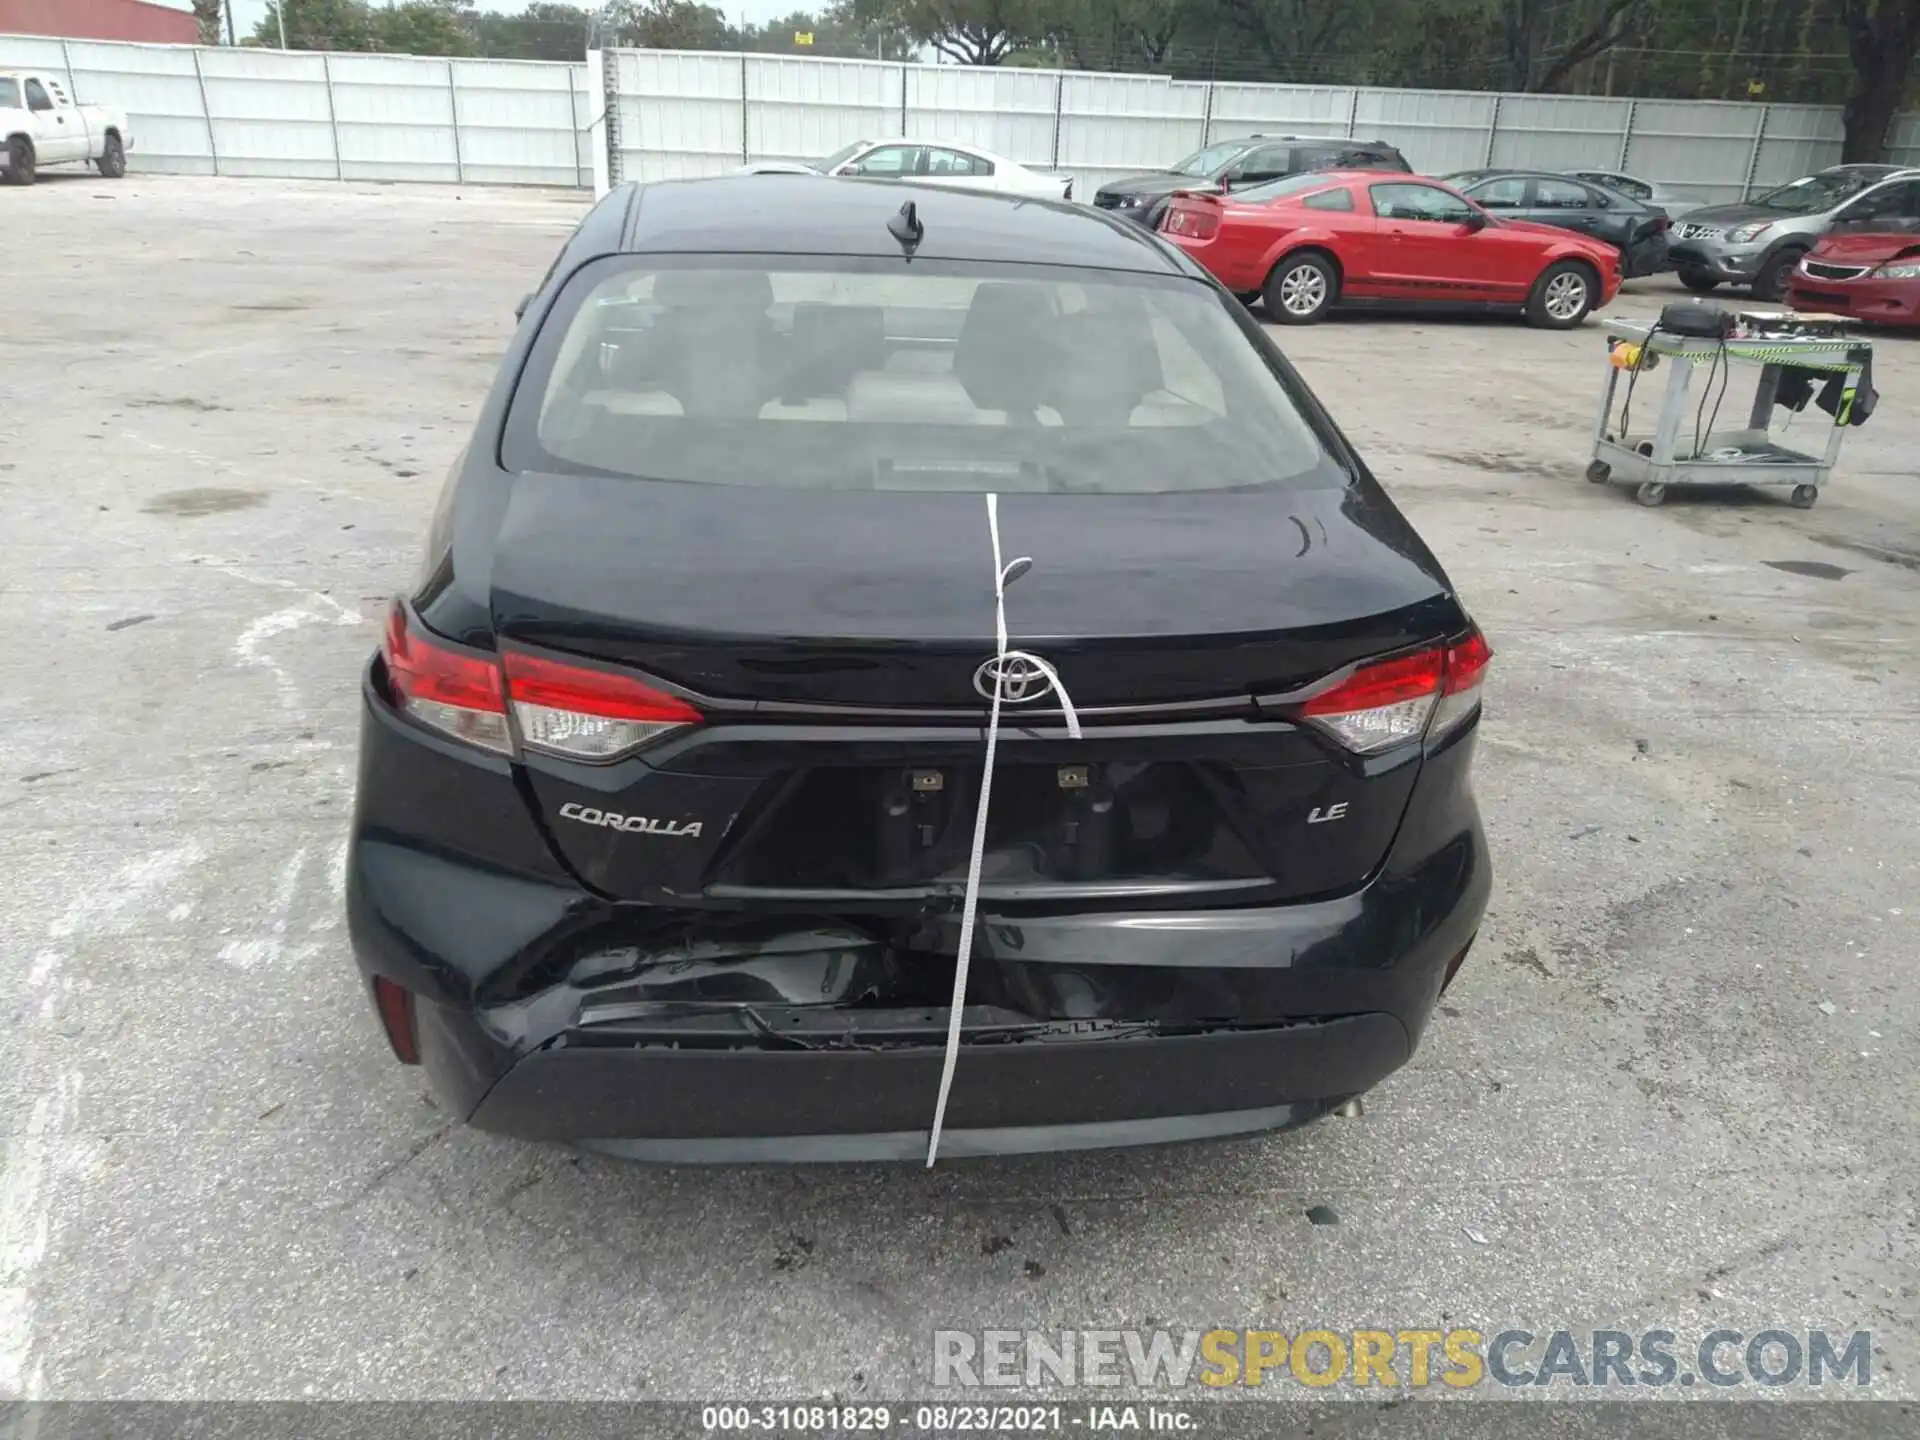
[1330, 200]
[846, 374]
[1277, 189]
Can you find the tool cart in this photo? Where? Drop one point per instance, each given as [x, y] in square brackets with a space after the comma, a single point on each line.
[1796, 361]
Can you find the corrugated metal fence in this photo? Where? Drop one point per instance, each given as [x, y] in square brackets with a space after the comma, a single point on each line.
[683, 113]
[200, 110]
[203, 110]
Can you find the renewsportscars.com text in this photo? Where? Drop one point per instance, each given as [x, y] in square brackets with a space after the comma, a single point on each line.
[1454, 1357]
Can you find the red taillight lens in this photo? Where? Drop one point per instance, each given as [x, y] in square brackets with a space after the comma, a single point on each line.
[456, 693]
[587, 714]
[1393, 701]
[396, 1017]
[560, 708]
[1196, 223]
[1467, 662]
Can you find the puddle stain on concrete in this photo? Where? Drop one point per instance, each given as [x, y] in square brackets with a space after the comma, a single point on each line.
[207, 500]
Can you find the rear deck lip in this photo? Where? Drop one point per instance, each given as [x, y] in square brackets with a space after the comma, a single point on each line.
[911, 1145]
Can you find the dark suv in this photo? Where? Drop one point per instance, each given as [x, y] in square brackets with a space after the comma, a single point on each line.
[1235, 164]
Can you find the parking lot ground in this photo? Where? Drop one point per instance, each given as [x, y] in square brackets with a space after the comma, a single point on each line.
[1673, 1089]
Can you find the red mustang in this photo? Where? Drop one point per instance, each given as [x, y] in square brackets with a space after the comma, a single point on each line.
[1870, 275]
[1307, 241]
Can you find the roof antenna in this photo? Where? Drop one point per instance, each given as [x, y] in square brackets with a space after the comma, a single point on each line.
[906, 228]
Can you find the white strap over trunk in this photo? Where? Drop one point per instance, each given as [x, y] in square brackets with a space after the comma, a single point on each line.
[970, 904]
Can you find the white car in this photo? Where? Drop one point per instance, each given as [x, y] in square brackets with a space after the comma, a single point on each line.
[945, 163]
[1647, 192]
[40, 125]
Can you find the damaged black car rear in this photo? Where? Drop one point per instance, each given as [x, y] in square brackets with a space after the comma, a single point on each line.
[672, 758]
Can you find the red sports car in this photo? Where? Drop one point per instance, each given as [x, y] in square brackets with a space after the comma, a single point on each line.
[1870, 275]
[1308, 241]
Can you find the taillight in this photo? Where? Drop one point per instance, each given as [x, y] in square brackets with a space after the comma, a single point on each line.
[452, 691]
[1393, 701]
[587, 714]
[1467, 663]
[562, 709]
[396, 1018]
[1195, 224]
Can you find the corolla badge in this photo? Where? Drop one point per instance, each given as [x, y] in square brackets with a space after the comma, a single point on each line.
[631, 824]
[1021, 679]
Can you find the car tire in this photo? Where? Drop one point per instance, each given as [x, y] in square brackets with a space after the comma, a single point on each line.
[1562, 296]
[1301, 288]
[113, 158]
[1248, 298]
[21, 166]
[1771, 283]
[1699, 282]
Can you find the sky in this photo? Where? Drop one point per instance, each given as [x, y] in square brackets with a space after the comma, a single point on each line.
[247, 13]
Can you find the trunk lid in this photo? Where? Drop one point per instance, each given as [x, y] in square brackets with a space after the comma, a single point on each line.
[885, 599]
[846, 630]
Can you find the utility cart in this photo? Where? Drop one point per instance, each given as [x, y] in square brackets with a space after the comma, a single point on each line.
[1683, 447]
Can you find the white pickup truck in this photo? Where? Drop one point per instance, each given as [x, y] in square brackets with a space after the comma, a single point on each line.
[40, 125]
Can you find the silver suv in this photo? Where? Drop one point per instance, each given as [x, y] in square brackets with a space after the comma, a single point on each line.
[1759, 242]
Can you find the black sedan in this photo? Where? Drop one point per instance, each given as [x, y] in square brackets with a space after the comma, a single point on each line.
[876, 661]
[1636, 228]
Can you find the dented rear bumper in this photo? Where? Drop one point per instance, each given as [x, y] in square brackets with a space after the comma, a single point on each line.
[738, 1032]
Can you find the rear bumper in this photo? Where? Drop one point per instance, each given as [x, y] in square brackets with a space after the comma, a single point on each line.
[1887, 302]
[1238, 278]
[1649, 257]
[737, 1105]
[1159, 1024]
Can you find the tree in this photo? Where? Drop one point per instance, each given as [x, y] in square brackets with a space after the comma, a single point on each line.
[1882, 36]
[851, 29]
[975, 32]
[874, 27]
[422, 27]
[667, 25]
[1298, 36]
[1600, 27]
[543, 31]
[317, 25]
[1120, 34]
[208, 16]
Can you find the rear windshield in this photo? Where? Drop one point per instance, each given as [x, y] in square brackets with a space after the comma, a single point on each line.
[868, 375]
[1279, 189]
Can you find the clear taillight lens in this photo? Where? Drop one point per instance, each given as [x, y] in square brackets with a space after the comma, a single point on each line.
[452, 691]
[1380, 705]
[587, 714]
[1390, 702]
[560, 708]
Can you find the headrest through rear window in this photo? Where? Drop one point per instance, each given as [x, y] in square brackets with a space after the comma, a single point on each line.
[1008, 347]
[721, 290]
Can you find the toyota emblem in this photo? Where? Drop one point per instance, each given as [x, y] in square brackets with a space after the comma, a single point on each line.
[1019, 678]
